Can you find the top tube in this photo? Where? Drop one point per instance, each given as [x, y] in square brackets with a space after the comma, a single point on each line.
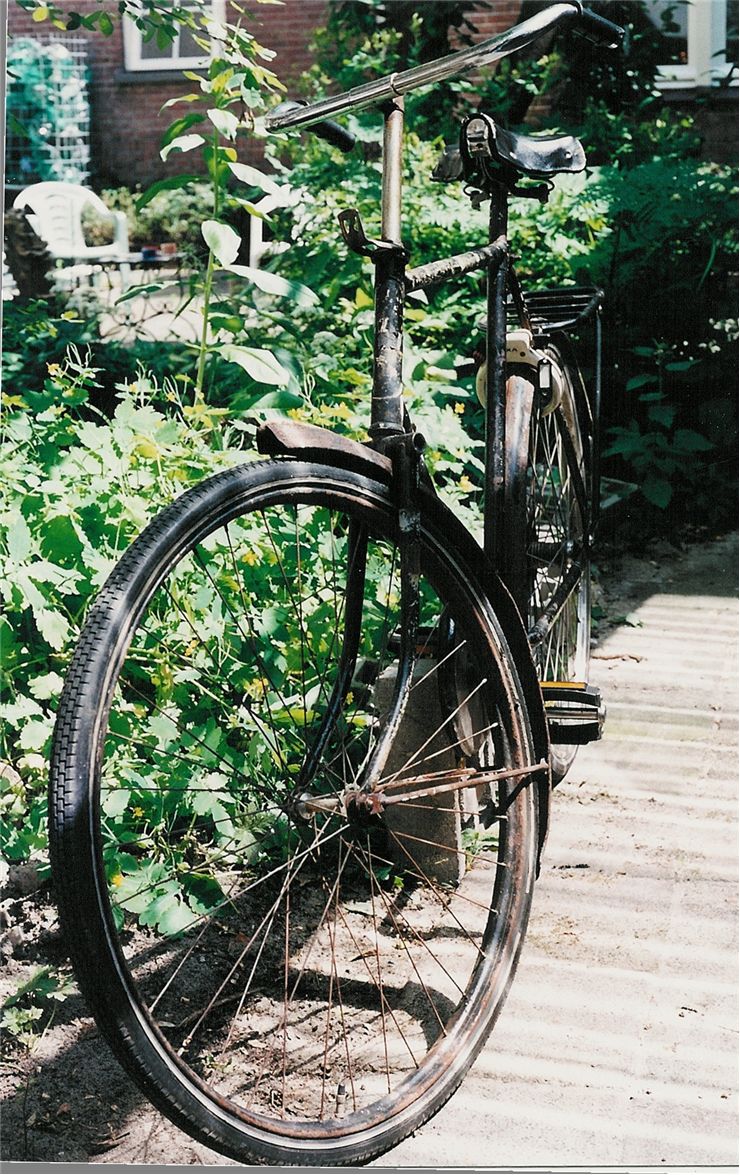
[465, 61]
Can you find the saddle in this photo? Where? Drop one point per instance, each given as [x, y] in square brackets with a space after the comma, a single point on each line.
[483, 141]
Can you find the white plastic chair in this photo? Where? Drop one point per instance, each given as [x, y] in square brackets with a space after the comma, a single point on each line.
[55, 213]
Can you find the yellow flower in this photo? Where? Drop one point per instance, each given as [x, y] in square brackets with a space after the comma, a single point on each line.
[54, 368]
[138, 811]
[116, 879]
[459, 408]
[465, 484]
[251, 558]
[295, 413]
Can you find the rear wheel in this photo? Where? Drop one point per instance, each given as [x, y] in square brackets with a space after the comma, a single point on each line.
[292, 969]
[547, 504]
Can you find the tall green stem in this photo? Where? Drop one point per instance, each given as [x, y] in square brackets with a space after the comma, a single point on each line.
[208, 282]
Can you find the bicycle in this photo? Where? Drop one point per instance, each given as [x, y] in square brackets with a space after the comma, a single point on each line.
[303, 757]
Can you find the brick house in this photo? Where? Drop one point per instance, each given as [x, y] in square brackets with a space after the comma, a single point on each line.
[130, 80]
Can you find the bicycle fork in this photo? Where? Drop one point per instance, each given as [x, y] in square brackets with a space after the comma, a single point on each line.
[391, 436]
[389, 426]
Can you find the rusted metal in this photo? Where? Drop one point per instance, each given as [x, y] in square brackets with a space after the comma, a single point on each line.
[386, 412]
[291, 438]
[436, 271]
[458, 780]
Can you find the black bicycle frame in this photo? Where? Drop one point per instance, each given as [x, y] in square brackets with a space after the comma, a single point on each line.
[390, 429]
[392, 283]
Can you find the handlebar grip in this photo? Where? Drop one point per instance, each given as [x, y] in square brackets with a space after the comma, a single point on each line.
[329, 130]
[598, 30]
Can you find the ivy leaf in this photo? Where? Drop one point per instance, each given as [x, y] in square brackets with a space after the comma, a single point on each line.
[257, 362]
[222, 240]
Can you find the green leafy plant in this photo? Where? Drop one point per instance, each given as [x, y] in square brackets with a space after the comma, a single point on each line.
[30, 1008]
[663, 456]
[82, 485]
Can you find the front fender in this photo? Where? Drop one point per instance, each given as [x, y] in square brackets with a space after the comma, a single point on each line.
[290, 438]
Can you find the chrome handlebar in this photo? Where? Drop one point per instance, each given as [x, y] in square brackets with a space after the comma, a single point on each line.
[465, 61]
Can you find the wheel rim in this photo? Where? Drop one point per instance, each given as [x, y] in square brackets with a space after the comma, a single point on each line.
[555, 547]
[297, 968]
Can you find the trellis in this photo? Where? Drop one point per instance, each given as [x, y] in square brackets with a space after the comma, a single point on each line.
[48, 109]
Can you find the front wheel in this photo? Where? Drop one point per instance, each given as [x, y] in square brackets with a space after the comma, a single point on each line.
[292, 969]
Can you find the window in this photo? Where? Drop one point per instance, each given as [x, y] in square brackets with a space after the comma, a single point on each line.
[700, 38]
[182, 53]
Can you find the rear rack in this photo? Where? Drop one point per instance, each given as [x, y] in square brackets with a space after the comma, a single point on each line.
[560, 309]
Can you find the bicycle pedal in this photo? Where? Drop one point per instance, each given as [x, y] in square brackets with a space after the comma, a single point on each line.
[575, 712]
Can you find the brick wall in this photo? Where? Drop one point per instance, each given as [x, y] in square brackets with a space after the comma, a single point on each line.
[126, 123]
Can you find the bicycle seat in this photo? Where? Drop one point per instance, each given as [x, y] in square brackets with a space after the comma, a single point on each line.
[539, 157]
[483, 139]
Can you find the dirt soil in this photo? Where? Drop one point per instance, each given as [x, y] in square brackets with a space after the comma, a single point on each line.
[65, 1099]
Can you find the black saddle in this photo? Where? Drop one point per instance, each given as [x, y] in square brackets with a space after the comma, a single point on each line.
[482, 141]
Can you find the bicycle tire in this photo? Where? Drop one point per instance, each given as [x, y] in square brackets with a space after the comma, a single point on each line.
[159, 989]
[547, 528]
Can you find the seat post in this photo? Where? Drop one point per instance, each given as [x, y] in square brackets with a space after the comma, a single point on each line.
[498, 270]
[390, 292]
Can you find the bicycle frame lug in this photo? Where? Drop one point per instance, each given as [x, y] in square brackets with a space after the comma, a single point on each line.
[356, 239]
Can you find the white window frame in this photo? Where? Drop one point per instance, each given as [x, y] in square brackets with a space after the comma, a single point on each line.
[706, 42]
[132, 45]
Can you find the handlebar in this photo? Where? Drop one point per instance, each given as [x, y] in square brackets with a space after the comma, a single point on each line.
[332, 132]
[598, 30]
[593, 27]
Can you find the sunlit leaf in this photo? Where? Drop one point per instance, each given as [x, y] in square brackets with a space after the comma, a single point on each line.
[183, 143]
[223, 241]
[260, 364]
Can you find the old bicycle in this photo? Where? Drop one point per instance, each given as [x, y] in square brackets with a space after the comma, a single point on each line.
[302, 762]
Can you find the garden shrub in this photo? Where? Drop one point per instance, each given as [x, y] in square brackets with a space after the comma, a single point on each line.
[94, 449]
[81, 487]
